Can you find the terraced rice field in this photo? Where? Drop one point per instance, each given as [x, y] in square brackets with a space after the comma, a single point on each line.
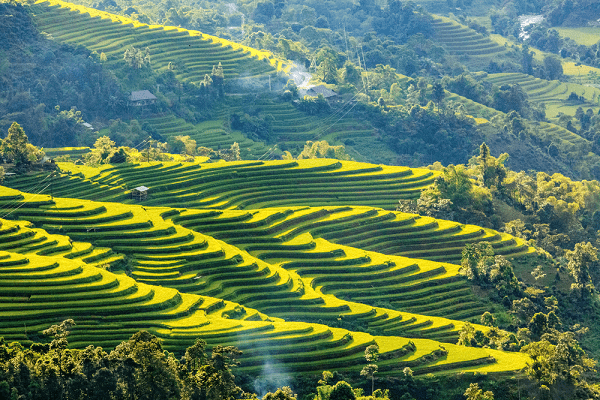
[211, 289]
[73, 152]
[244, 184]
[569, 144]
[553, 94]
[464, 41]
[294, 127]
[193, 53]
[211, 134]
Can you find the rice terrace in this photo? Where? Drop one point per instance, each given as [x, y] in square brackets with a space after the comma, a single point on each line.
[299, 200]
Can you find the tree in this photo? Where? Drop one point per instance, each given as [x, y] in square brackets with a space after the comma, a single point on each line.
[553, 67]
[146, 370]
[215, 379]
[218, 78]
[474, 393]
[491, 170]
[58, 346]
[371, 355]
[581, 259]
[475, 256]
[527, 60]
[137, 58]
[342, 391]
[14, 147]
[538, 325]
[285, 393]
[488, 319]
[438, 93]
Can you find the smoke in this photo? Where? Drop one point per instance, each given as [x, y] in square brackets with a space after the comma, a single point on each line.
[273, 376]
[245, 84]
[301, 76]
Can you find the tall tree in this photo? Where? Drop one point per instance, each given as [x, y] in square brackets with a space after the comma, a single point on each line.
[14, 147]
[371, 355]
[581, 259]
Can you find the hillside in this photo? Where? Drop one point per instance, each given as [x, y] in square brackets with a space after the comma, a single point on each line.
[57, 262]
[303, 230]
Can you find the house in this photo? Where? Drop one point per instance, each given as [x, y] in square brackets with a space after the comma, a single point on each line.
[141, 98]
[140, 193]
[314, 91]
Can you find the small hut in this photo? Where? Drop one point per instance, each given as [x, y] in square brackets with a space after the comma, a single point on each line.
[140, 193]
[314, 91]
[141, 98]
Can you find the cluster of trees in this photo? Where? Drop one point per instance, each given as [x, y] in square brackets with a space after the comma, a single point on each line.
[505, 98]
[140, 368]
[557, 212]
[16, 149]
[255, 124]
[319, 149]
[106, 151]
[557, 217]
[136, 369]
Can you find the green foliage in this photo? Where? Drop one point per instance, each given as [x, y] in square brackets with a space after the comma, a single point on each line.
[285, 393]
[314, 105]
[454, 196]
[138, 369]
[480, 266]
[473, 392]
[559, 359]
[137, 58]
[581, 260]
[105, 152]
[491, 169]
[16, 148]
[322, 149]
[342, 391]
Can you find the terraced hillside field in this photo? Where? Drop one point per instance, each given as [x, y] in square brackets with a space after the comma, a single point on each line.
[193, 52]
[294, 127]
[244, 184]
[569, 144]
[463, 41]
[554, 94]
[161, 252]
[226, 275]
[211, 134]
[109, 308]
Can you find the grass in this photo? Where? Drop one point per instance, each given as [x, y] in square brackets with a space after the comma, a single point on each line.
[586, 36]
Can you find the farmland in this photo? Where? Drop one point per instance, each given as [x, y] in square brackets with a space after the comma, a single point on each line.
[269, 275]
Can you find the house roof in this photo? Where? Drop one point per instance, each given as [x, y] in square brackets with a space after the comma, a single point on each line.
[141, 95]
[316, 90]
[141, 188]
